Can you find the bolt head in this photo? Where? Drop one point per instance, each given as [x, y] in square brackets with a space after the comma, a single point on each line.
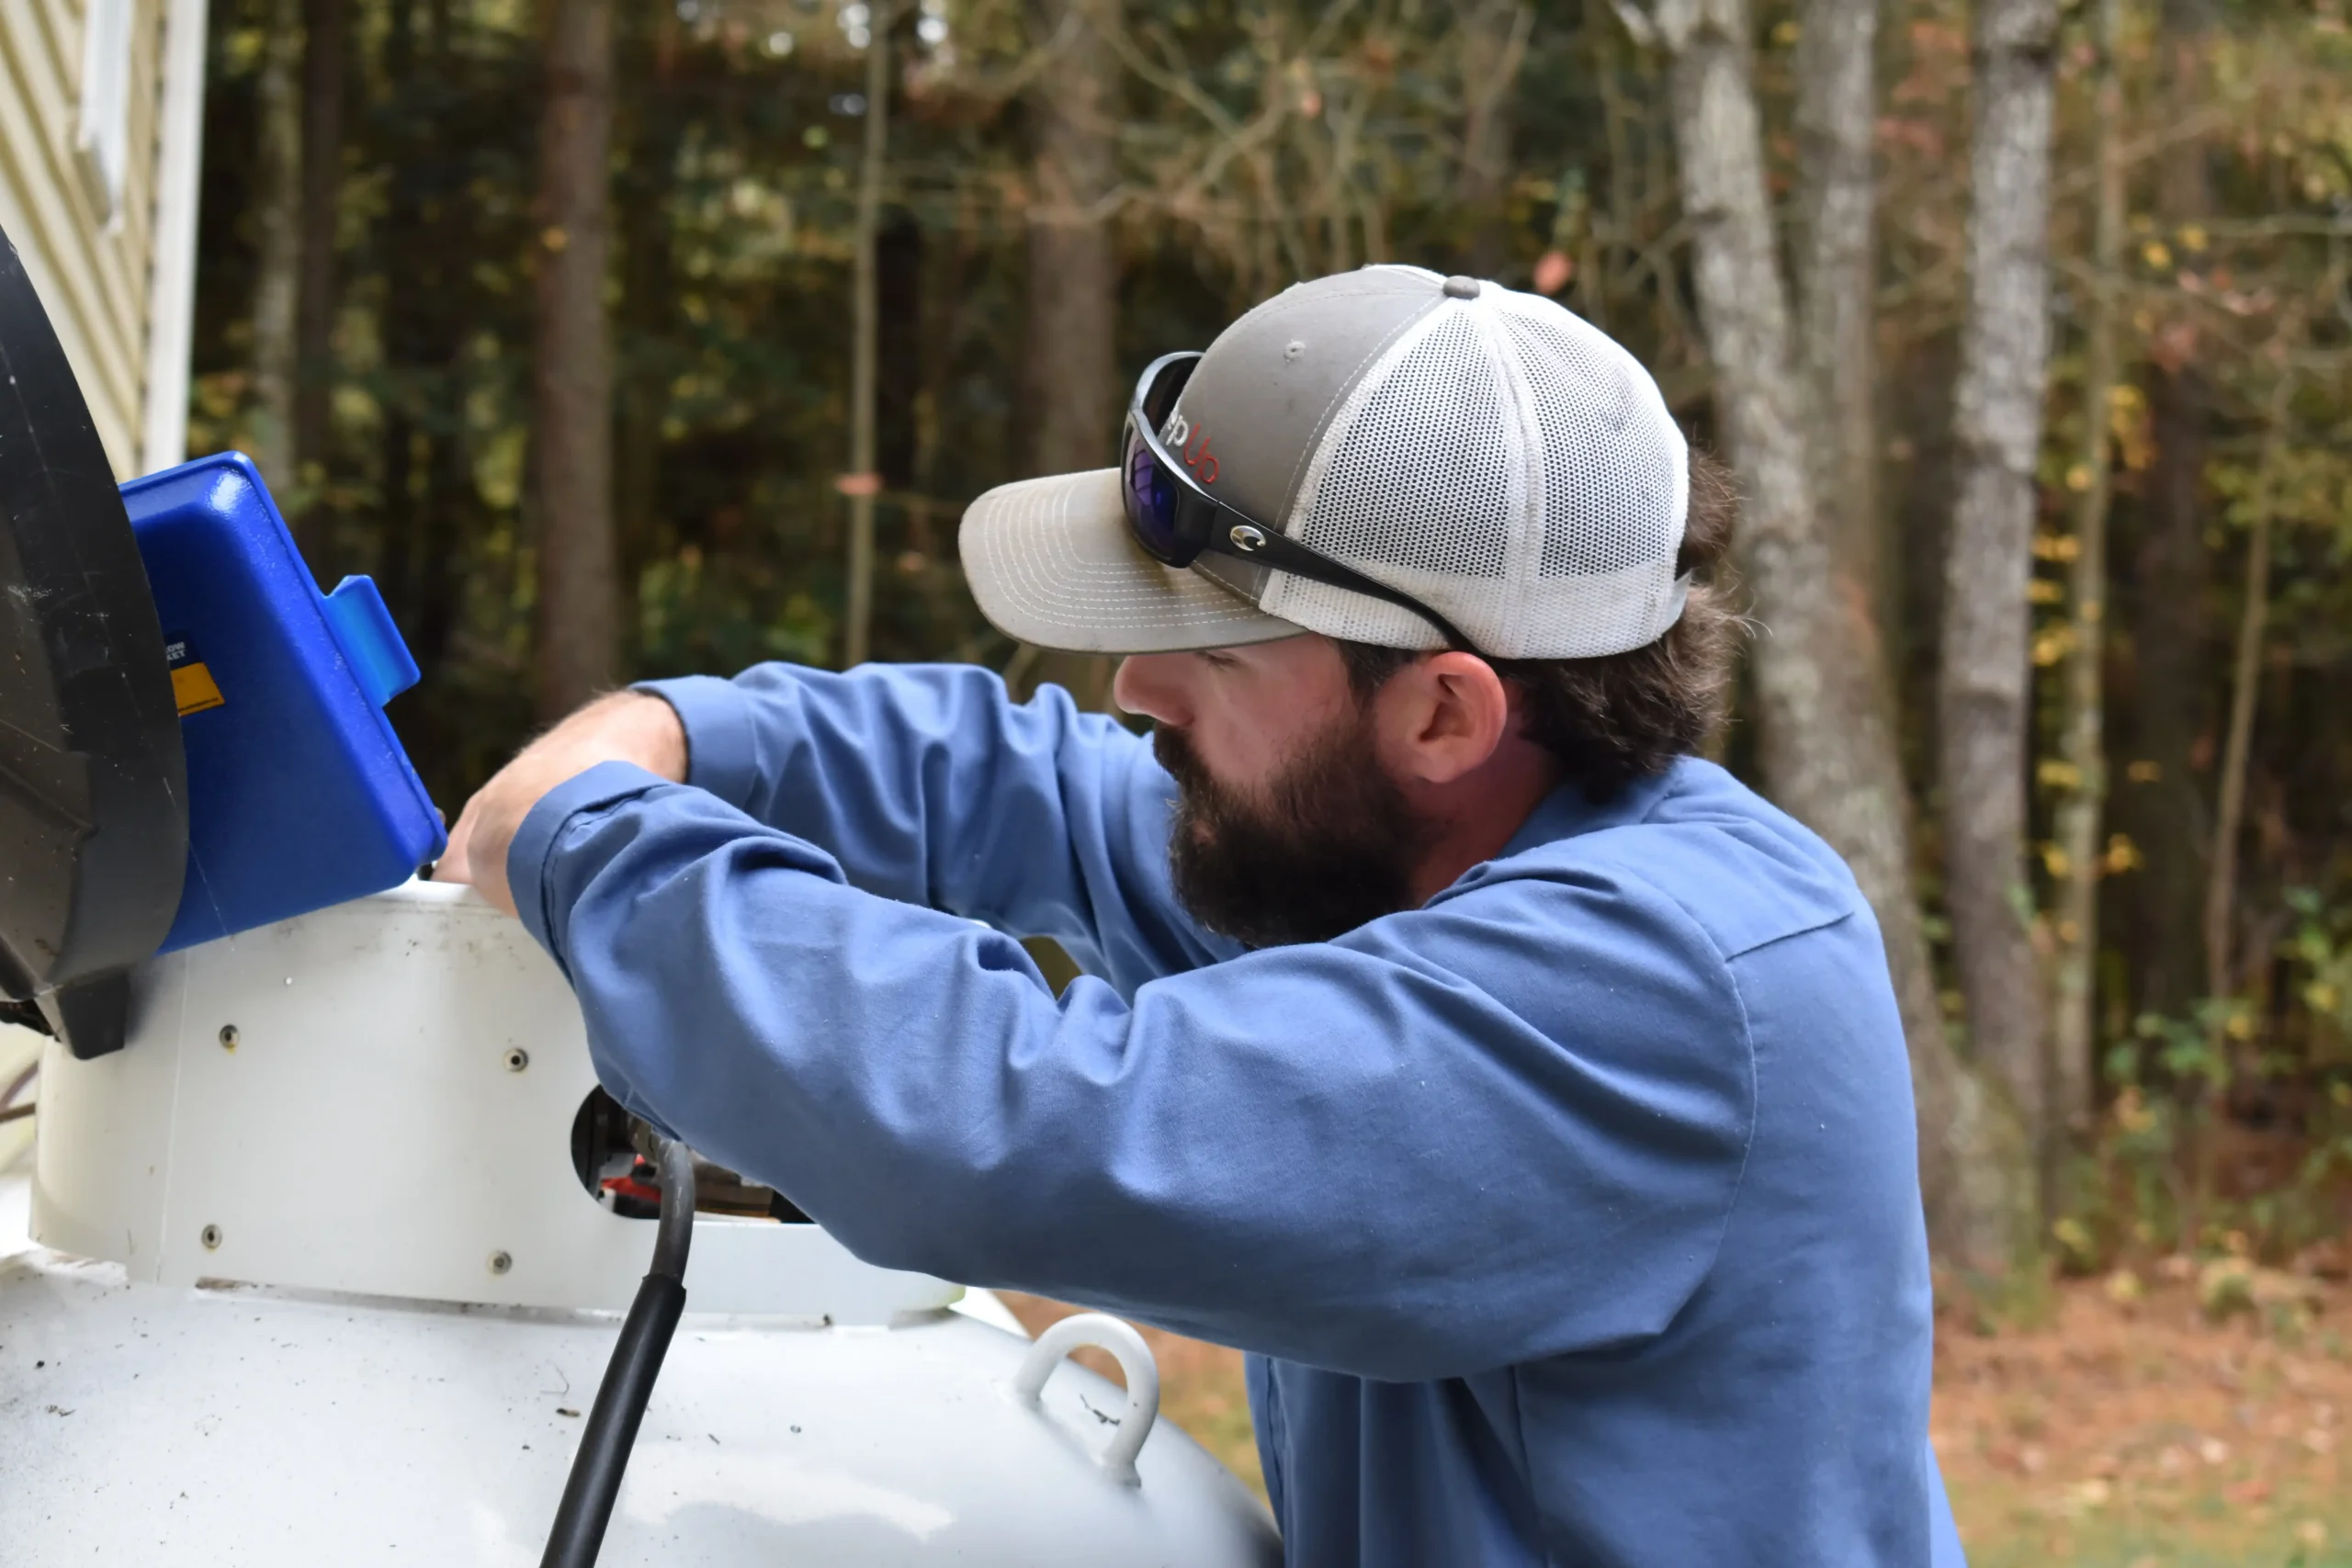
[500, 1262]
[517, 1059]
[211, 1236]
[229, 1037]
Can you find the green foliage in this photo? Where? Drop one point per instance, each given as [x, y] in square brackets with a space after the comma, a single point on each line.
[2229, 1130]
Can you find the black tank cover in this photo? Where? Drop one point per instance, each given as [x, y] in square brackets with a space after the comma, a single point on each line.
[92, 781]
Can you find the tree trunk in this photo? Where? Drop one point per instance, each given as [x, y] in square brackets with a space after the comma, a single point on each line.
[2074, 1040]
[1836, 279]
[1828, 743]
[449, 509]
[650, 117]
[399, 231]
[1494, 46]
[277, 261]
[860, 483]
[572, 374]
[2172, 709]
[1073, 303]
[1986, 690]
[325, 34]
[898, 348]
[1073, 300]
[2245, 676]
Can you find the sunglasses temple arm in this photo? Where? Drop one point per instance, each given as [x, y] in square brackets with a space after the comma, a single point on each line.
[1288, 555]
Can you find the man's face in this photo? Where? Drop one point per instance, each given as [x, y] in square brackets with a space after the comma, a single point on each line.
[1289, 825]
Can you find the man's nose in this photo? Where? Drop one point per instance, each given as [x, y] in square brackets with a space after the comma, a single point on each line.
[1152, 684]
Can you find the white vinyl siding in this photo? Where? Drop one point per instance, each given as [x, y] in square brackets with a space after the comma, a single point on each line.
[90, 265]
[104, 137]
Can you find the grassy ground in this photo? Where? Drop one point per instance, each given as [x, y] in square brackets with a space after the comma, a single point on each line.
[2105, 1434]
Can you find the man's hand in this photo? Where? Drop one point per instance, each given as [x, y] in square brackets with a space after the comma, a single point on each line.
[626, 727]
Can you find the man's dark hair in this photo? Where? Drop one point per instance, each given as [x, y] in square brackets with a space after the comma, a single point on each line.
[1626, 715]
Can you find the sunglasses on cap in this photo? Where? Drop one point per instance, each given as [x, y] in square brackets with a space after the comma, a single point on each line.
[1178, 522]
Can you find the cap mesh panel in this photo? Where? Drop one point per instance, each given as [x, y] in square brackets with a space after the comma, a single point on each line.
[1422, 478]
[1613, 465]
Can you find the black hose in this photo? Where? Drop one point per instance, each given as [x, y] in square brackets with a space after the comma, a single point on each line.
[619, 1410]
[674, 1231]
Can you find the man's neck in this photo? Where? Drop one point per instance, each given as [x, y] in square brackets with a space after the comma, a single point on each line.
[1477, 814]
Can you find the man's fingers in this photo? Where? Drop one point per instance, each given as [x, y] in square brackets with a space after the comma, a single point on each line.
[455, 862]
[477, 844]
[492, 837]
[452, 865]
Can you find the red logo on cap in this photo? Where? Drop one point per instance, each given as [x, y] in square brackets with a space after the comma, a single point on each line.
[1198, 455]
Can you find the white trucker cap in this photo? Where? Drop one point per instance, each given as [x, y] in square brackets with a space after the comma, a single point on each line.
[1488, 452]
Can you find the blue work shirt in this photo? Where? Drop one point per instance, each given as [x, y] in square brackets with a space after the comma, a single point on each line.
[1570, 1218]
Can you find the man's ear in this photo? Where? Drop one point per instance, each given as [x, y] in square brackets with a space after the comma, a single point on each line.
[1443, 716]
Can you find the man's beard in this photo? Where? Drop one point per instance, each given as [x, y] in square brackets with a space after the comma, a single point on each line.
[1333, 845]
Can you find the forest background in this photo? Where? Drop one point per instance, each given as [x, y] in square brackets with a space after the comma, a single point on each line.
[629, 340]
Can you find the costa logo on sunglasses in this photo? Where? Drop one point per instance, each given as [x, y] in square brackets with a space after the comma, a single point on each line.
[1197, 455]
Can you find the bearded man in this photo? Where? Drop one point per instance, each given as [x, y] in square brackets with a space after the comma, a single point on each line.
[1525, 1094]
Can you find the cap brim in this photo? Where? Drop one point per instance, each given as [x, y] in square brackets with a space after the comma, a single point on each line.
[1050, 562]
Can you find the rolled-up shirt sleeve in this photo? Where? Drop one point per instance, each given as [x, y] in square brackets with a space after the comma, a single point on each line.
[1507, 1125]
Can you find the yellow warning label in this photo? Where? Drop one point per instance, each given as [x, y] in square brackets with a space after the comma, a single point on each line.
[194, 689]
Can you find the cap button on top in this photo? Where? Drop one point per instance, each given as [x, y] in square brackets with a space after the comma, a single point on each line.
[1461, 288]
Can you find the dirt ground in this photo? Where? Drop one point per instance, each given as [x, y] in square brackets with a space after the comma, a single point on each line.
[2136, 1434]
[2106, 1432]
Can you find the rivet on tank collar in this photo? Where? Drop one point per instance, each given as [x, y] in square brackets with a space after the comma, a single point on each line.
[1461, 288]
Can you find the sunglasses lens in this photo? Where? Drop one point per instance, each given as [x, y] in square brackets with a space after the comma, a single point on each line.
[1150, 497]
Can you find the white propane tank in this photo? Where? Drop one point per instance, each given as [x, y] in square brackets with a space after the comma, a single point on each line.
[318, 1282]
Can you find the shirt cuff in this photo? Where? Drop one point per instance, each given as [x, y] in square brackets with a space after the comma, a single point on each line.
[721, 750]
[536, 841]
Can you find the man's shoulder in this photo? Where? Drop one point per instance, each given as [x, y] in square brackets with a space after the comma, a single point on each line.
[1745, 872]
